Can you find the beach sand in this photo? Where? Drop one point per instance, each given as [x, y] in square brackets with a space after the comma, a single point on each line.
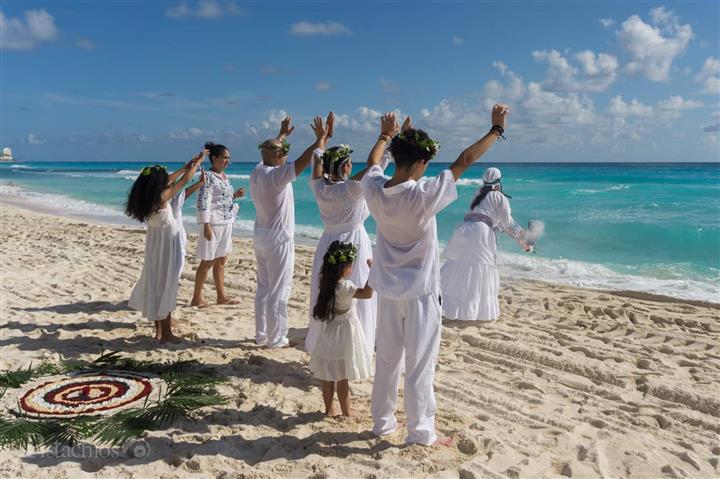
[567, 383]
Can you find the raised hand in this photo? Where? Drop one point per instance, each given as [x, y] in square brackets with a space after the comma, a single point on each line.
[330, 123]
[197, 159]
[388, 125]
[286, 127]
[407, 124]
[201, 180]
[318, 128]
[499, 112]
[239, 193]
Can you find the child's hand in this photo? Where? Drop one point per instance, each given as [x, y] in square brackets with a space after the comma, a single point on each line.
[201, 180]
[369, 262]
[239, 193]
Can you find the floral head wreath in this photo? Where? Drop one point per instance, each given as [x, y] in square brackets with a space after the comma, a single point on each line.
[336, 156]
[284, 147]
[346, 253]
[427, 144]
[149, 169]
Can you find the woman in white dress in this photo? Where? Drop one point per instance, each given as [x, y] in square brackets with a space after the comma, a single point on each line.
[469, 277]
[216, 214]
[343, 211]
[155, 293]
[340, 354]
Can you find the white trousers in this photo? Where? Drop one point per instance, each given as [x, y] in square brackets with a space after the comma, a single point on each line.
[275, 265]
[413, 326]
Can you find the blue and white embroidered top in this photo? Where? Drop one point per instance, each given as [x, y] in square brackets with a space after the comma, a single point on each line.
[215, 200]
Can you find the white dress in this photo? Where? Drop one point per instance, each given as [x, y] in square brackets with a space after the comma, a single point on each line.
[340, 351]
[155, 293]
[469, 277]
[343, 211]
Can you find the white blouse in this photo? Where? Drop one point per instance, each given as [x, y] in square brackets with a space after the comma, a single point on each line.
[215, 200]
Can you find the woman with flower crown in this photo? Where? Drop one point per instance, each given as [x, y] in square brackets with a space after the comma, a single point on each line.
[343, 212]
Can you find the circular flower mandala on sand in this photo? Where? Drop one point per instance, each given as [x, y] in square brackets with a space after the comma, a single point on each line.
[86, 394]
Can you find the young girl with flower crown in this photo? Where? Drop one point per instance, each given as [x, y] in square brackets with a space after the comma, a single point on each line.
[155, 293]
[340, 353]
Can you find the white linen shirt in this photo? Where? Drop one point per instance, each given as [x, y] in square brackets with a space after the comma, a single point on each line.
[406, 260]
[496, 207]
[342, 206]
[272, 194]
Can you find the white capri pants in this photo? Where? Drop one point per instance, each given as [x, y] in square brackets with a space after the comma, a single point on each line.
[275, 265]
[413, 326]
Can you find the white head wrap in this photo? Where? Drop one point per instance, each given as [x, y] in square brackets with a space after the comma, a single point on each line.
[492, 175]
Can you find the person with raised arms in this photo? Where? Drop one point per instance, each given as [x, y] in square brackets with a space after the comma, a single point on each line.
[272, 194]
[406, 270]
[343, 212]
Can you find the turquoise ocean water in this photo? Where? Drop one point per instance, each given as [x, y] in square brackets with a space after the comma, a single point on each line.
[643, 227]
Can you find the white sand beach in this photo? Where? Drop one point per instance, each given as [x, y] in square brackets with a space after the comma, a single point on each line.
[567, 383]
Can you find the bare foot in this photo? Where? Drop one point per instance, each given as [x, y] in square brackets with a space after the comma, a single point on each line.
[228, 301]
[199, 304]
[331, 412]
[171, 339]
[444, 441]
[350, 413]
[157, 336]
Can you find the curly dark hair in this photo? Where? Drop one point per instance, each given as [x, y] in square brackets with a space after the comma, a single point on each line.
[330, 275]
[145, 196]
[406, 150]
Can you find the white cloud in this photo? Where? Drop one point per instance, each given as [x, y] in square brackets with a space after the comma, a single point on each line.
[549, 107]
[327, 28]
[85, 44]
[203, 9]
[191, 134]
[607, 22]
[269, 69]
[457, 40]
[619, 108]
[16, 34]
[598, 71]
[677, 103]
[709, 76]
[652, 48]
[33, 139]
[323, 86]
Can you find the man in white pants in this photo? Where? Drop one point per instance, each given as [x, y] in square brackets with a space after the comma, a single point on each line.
[405, 271]
[272, 193]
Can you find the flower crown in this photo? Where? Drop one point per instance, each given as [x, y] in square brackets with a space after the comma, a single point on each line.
[148, 169]
[284, 148]
[346, 253]
[427, 144]
[332, 156]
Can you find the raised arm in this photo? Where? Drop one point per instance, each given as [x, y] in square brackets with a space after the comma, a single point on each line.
[190, 190]
[320, 131]
[285, 129]
[477, 149]
[367, 291]
[388, 129]
[188, 171]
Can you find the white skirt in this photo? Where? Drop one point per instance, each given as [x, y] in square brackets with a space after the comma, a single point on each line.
[366, 308]
[219, 246]
[469, 278]
[340, 351]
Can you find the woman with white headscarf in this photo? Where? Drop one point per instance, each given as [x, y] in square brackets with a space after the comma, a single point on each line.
[469, 278]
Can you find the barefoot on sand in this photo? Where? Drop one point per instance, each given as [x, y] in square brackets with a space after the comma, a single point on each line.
[228, 301]
[444, 441]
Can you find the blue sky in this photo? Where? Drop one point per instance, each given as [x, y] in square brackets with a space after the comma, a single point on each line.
[586, 81]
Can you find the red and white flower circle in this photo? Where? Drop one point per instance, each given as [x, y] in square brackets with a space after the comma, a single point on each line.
[89, 394]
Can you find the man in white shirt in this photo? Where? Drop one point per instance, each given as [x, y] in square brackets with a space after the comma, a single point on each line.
[405, 270]
[272, 194]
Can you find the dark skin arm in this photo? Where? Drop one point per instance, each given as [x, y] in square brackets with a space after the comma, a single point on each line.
[477, 149]
[367, 291]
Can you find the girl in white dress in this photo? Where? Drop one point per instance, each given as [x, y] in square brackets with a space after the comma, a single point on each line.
[343, 211]
[155, 293]
[469, 278]
[216, 214]
[340, 354]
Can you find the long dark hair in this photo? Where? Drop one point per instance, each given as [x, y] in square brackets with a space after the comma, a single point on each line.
[481, 196]
[145, 196]
[215, 150]
[332, 270]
